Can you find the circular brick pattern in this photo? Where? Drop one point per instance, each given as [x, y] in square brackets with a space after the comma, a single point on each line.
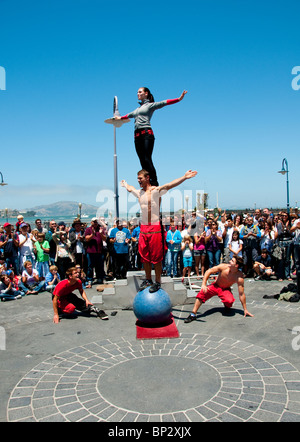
[147, 384]
[254, 384]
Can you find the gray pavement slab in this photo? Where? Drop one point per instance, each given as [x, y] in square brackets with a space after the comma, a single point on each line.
[222, 368]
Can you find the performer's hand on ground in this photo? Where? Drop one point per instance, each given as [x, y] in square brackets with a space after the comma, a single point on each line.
[246, 313]
[182, 95]
[56, 319]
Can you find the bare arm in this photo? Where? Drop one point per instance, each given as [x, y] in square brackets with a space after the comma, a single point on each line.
[211, 271]
[55, 309]
[189, 174]
[127, 186]
[243, 296]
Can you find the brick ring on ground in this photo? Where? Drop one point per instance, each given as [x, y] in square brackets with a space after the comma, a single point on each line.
[194, 378]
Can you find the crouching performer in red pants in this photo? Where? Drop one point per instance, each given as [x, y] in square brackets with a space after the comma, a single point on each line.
[65, 301]
[228, 274]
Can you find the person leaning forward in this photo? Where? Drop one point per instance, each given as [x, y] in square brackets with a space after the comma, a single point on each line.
[228, 274]
[67, 302]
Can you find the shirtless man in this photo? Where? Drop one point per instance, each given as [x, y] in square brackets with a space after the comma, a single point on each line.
[151, 242]
[229, 274]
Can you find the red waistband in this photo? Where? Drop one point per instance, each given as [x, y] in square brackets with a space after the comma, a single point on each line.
[139, 132]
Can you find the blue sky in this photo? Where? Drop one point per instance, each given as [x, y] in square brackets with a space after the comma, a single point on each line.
[66, 60]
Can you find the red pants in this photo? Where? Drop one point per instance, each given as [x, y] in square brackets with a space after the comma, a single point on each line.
[69, 303]
[151, 243]
[225, 295]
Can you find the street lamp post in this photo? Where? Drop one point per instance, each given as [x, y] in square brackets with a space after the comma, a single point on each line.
[116, 123]
[285, 170]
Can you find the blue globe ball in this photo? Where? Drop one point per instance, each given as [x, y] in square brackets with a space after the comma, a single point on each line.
[152, 308]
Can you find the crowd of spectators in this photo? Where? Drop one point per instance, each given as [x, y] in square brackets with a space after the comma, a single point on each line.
[36, 258]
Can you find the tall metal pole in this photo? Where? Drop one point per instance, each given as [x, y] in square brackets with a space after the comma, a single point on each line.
[116, 195]
[287, 187]
[116, 123]
[285, 170]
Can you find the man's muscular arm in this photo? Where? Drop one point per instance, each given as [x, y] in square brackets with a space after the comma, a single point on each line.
[243, 296]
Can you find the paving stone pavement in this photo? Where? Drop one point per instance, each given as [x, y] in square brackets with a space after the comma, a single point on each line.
[221, 368]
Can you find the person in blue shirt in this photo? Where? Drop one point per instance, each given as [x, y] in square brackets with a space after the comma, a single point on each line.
[120, 237]
[173, 240]
[52, 278]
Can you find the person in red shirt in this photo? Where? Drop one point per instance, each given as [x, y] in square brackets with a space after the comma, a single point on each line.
[65, 300]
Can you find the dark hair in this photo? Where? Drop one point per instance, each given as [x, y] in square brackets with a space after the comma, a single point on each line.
[239, 260]
[150, 96]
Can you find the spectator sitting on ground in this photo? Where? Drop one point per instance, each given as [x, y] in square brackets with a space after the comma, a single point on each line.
[263, 266]
[30, 282]
[9, 242]
[7, 289]
[14, 279]
[52, 278]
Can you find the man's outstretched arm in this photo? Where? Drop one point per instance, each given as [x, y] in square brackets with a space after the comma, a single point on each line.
[189, 174]
[127, 186]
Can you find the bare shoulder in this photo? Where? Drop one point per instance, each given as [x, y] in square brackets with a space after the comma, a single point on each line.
[223, 267]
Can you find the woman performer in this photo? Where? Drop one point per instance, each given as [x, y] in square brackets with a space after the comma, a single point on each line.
[143, 134]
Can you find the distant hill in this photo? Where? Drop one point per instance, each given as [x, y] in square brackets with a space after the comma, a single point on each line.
[66, 208]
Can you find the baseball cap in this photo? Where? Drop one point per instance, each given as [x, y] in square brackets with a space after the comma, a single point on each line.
[6, 225]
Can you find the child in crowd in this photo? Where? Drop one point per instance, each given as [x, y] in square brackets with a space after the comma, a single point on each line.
[8, 291]
[52, 278]
[199, 253]
[42, 248]
[236, 244]
[187, 255]
[82, 276]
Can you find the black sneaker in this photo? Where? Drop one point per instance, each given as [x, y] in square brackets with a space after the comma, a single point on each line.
[145, 284]
[154, 287]
[100, 313]
[190, 318]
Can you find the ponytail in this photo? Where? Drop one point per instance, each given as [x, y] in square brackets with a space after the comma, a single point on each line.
[150, 96]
